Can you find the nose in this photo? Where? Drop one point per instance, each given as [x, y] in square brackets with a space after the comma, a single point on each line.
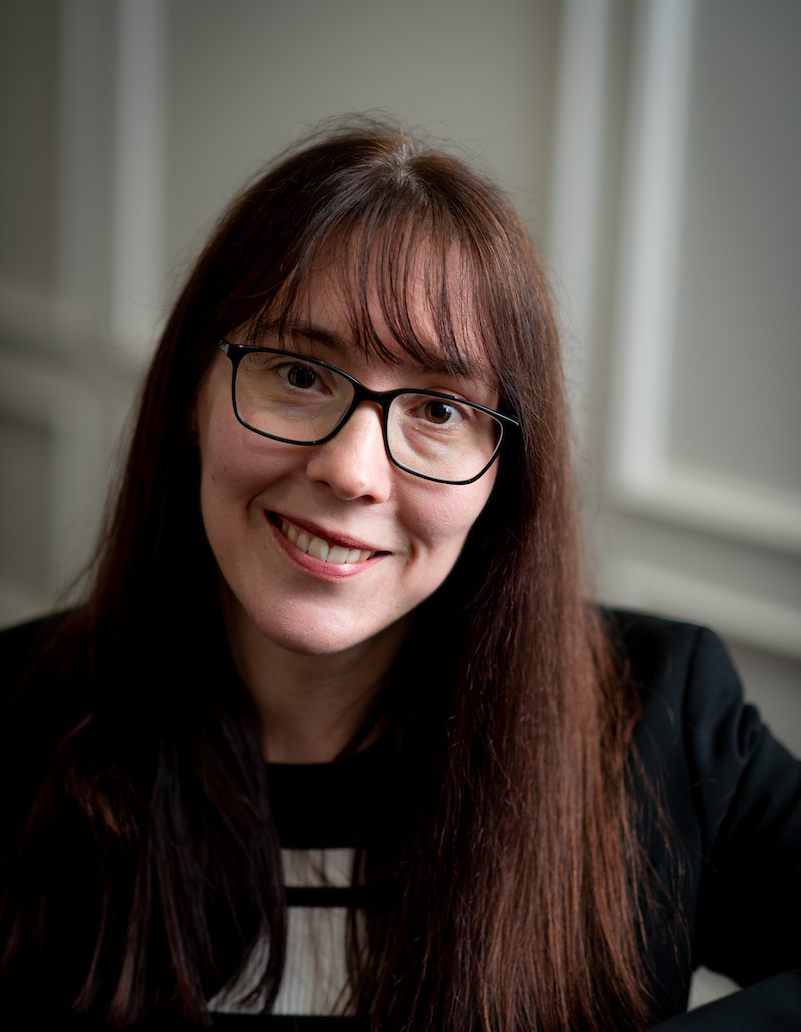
[354, 463]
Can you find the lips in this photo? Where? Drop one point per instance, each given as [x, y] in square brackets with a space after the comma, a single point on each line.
[336, 551]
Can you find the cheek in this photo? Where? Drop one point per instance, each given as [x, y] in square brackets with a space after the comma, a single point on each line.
[449, 513]
[236, 464]
[224, 478]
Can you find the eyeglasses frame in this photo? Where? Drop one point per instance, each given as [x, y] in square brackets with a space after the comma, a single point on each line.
[384, 399]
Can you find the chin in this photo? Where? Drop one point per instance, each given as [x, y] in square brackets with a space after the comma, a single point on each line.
[310, 633]
[309, 645]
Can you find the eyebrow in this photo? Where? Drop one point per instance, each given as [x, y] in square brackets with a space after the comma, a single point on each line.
[340, 345]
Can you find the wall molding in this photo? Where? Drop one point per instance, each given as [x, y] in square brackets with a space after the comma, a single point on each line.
[74, 417]
[743, 616]
[642, 476]
[709, 501]
[140, 159]
[654, 187]
[112, 155]
[577, 180]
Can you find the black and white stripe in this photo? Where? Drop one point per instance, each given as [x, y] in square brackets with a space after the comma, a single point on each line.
[321, 811]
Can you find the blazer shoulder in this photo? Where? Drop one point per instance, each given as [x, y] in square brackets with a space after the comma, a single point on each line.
[666, 658]
[691, 695]
[22, 645]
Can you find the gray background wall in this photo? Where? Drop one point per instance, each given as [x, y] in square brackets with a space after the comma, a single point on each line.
[653, 146]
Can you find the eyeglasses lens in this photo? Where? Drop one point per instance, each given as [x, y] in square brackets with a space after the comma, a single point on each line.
[302, 402]
[446, 440]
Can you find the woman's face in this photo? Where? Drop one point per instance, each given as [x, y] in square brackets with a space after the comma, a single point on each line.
[345, 492]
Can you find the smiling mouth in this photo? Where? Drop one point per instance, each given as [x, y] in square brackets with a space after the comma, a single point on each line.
[319, 548]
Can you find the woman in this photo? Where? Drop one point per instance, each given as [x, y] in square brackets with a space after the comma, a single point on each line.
[344, 543]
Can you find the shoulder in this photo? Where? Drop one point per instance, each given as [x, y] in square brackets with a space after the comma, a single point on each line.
[20, 644]
[690, 691]
[44, 696]
[47, 845]
[23, 645]
[668, 656]
[687, 684]
[692, 718]
[696, 731]
[43, 664]
[731, 792]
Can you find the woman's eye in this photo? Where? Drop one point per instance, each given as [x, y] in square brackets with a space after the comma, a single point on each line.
[299, 376]
[440, 412]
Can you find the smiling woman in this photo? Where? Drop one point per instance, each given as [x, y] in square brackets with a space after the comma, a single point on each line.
[344, 495]
[336, 738]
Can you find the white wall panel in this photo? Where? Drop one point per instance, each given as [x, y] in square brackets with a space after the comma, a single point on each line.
[248, 78]
[139, 174]
[52, 480]
[684, 355]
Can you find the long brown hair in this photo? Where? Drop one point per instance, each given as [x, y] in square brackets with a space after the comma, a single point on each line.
[516, 882]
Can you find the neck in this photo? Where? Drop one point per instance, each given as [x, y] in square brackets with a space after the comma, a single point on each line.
[311, 706]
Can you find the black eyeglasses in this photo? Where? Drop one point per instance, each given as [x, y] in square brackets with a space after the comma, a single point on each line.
[298, 400]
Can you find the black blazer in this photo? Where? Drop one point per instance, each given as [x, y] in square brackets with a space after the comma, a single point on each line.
[731, 891]
[728, 887]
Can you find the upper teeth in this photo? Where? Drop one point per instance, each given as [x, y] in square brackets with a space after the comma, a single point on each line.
[320, 549]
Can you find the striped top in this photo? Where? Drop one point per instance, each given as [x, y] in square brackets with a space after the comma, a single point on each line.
[322, 811]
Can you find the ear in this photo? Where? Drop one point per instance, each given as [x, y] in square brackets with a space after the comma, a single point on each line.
[192, 430]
